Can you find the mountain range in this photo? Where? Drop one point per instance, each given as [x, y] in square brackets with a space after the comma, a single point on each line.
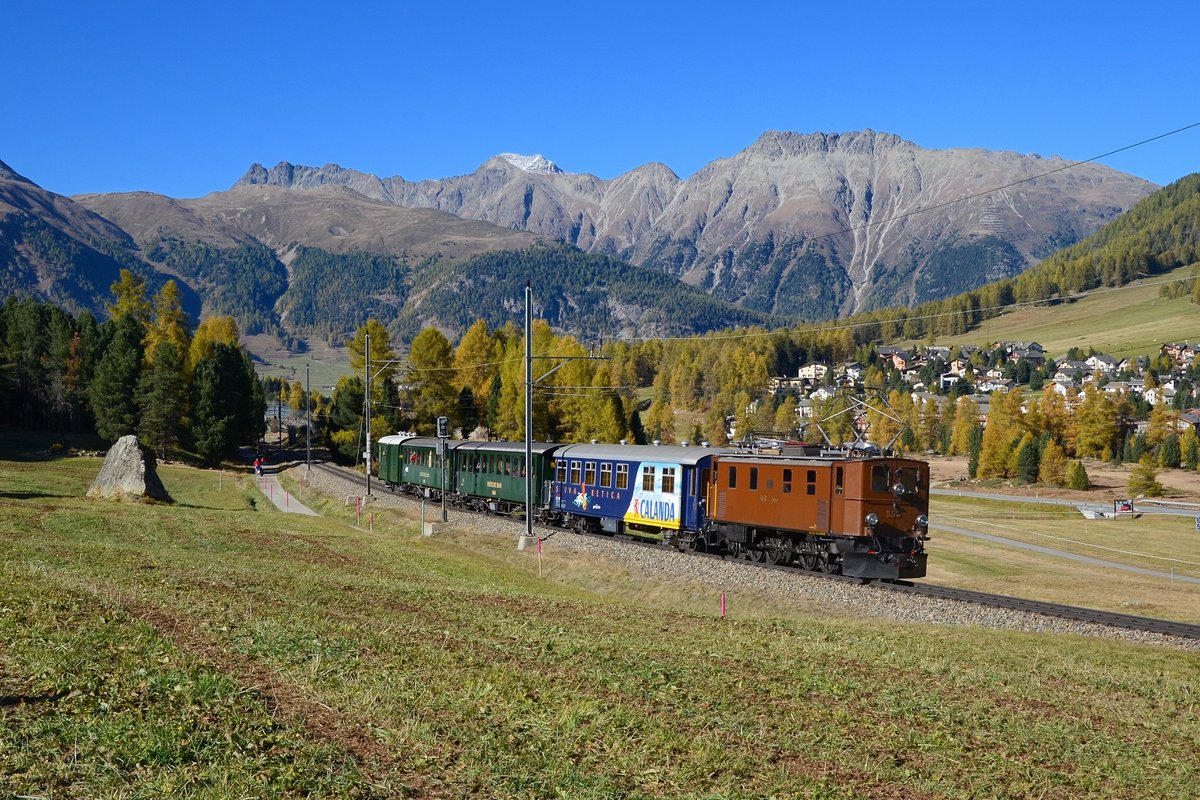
[797, 225]
[820, 225]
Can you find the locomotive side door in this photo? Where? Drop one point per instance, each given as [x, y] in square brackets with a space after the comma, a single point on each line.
[815, 485]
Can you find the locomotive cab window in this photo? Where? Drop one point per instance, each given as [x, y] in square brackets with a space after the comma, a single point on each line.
[754, 477]
[589, 473]
[787, 481]
[838, 481]
[606, 475]
[733, 477]
[622, 476]
[811, 487]
[648, 479]
[879, 478]
[908, 477]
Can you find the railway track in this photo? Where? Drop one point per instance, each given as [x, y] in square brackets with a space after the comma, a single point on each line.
[1056, 610]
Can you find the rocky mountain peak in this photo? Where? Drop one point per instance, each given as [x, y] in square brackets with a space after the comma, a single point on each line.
[534, 163]
[788, 144]
[9, 174]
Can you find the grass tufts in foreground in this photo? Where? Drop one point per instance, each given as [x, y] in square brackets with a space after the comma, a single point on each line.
[214, 648]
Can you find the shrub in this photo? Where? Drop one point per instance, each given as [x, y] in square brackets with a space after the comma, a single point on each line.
[1077, 477]
[1143, 479]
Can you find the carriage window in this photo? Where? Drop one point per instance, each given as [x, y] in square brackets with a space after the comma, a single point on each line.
[811, 488]
[575, 470]
[668, 480]
[879, 478]
[754, 477]
[787, 481]
[648, 479]
[622, 476]
[589, 473]
[521, 465]
[733, 477]
[561, 469]
[606, 475]
[837, 486]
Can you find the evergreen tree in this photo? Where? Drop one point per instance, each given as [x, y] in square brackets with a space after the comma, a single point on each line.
[974, 448]
[162, 399]
[344, 432]
[468, 412]
[228, 406]
[1190, 444]
[1169, 454]
[1027, 460]
[1077, 477]
[113, 390]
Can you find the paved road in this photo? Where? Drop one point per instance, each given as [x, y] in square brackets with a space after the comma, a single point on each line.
[1143, 506]
[269, 485]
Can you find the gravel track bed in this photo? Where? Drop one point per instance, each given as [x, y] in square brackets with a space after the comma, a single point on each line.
[662, 564]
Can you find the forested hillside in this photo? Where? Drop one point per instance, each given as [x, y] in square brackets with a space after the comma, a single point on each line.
[574, 291]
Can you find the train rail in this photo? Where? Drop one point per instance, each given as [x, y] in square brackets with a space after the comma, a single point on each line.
[1074, 613]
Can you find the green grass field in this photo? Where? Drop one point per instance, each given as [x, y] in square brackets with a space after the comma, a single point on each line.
[1167, 544]
[1128, 321]
[214, 647]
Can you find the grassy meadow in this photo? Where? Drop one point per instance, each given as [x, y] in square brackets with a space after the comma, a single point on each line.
[1129, 321]
[214, 647]
[1167, 544]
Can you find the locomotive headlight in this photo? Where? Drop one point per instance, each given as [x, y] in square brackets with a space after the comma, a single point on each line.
[923, 521]
[872, 519]
[899, 490]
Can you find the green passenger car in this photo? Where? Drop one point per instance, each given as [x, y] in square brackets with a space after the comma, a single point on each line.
[491, 475]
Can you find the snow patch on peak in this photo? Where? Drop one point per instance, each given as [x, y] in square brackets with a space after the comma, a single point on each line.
[531, 163]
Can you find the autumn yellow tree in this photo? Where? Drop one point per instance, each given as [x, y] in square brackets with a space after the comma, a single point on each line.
[966, 417]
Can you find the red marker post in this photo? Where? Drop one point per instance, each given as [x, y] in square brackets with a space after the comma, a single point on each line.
[722, 605]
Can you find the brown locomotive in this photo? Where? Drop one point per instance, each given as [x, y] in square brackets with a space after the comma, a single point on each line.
[861, 515]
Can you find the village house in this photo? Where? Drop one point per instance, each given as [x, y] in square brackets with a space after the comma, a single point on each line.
[1181, 353]
[813, 372]
[1101, 362]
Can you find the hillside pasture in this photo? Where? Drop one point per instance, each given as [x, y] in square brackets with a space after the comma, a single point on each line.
[214, 647]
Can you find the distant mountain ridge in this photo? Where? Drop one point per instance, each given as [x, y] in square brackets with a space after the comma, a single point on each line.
[819, 224]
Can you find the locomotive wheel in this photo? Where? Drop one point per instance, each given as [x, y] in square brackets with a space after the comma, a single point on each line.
[758, 555]
[696, 545]
[829, 564]
[735, 549]
[807, 561]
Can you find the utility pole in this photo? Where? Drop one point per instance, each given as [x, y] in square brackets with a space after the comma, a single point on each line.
[367, 406]
[527, 538]
[307, 422]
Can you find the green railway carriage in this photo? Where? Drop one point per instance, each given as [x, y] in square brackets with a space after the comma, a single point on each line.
[491, 475]
[412, 462]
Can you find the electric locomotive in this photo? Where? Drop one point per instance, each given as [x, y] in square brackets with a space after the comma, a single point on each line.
[837, 511]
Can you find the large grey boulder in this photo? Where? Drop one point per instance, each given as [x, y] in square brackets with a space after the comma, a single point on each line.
[128, 474]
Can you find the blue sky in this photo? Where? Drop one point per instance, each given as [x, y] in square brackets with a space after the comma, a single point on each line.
[181, 98]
